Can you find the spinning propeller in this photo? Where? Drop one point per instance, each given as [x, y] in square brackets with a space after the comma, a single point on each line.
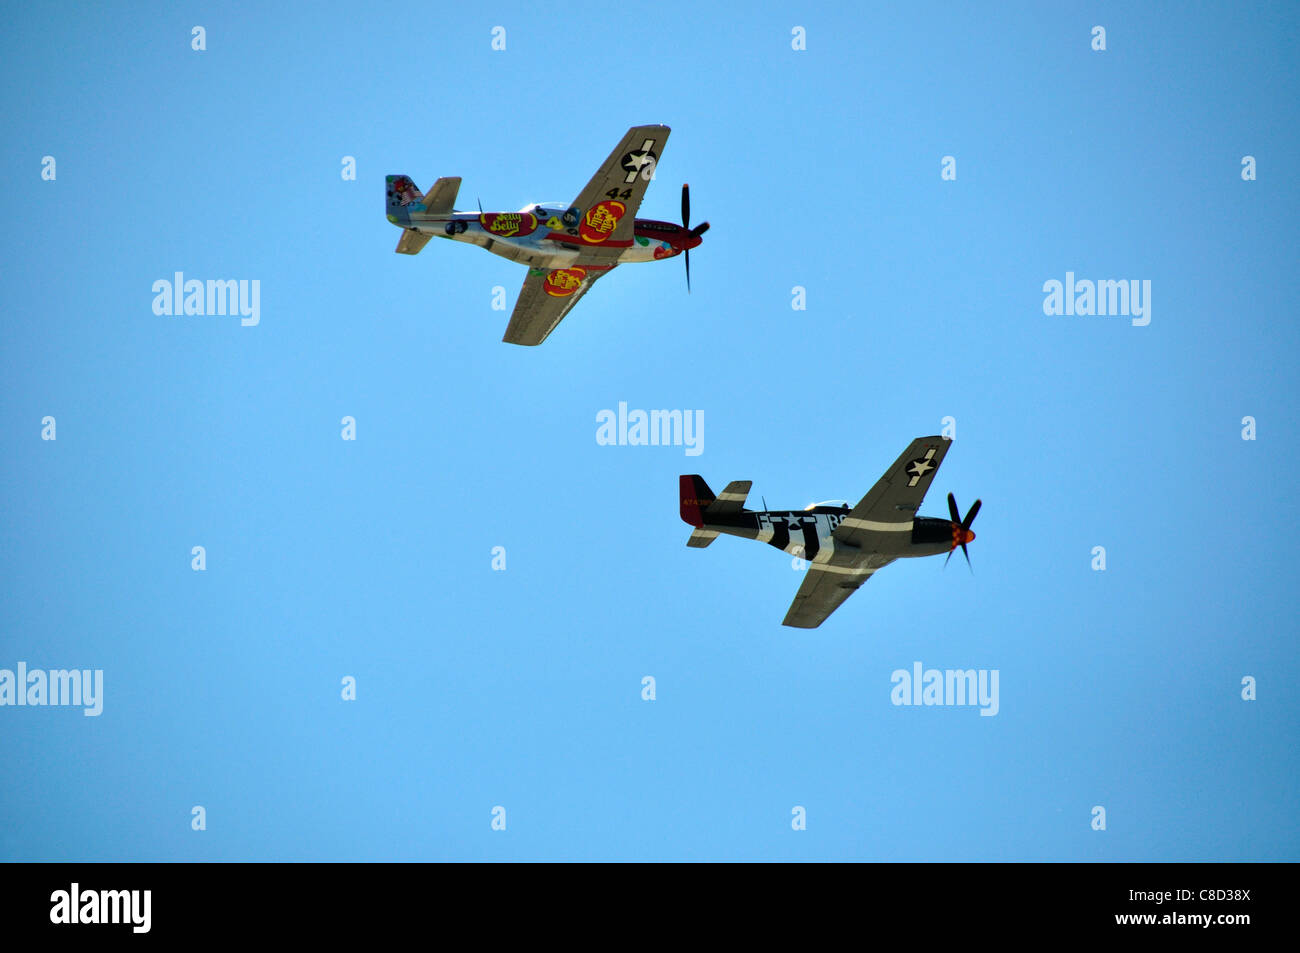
[961, 534]
[696, 232]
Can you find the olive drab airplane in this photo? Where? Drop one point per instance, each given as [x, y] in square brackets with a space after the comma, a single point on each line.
[844, 547]
[566, 248]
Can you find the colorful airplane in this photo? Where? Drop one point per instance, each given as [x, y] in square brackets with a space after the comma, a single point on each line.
[566, 248]
[844, 547]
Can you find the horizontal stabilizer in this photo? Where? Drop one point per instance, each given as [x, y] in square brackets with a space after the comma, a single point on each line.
[442, 196]
[701, 538]
[412, 241]
[731, 499]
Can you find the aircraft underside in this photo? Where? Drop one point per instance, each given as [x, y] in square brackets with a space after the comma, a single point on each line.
[539, 249]
[811, 536]
[566, 248]
[844, 545]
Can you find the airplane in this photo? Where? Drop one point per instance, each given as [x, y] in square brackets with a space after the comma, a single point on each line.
[567, 248]
[844, 546]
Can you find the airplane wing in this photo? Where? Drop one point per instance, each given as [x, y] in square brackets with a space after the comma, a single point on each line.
[614, 193]
[890, 505]
[872, 526]
[545, 298]
[823, 589]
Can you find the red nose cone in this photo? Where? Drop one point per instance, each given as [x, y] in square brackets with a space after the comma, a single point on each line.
[969, 537]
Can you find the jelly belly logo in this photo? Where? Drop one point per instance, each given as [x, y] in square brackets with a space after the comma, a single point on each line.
[564, 281]
[600, 221]
[508, 224]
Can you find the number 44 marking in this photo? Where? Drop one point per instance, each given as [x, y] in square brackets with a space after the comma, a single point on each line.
[616, 194]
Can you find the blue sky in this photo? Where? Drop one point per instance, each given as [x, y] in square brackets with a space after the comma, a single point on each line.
[521, 688]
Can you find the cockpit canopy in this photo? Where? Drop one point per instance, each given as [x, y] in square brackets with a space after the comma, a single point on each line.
[828, 506]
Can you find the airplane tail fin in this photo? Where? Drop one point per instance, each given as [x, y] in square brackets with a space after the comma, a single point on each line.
[699, 505]
[695, 497]
[403, 198]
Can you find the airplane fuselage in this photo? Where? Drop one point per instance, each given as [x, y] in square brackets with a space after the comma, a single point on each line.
[810, 535]
[539, 237]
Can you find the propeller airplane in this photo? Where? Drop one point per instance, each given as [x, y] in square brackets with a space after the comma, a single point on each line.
[843, 546]
[566, 248]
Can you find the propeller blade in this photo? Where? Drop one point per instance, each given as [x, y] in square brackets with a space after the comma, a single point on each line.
[686, 224]
[970, 516]
[952, 509]
[945, 562]
[967, 555]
